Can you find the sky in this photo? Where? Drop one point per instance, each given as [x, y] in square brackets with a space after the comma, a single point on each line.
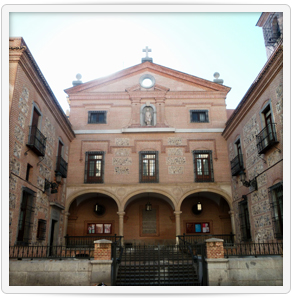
[99, 44]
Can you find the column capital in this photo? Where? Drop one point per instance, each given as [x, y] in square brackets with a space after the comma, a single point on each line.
[177, 212]
[231, 212]
[121, 213]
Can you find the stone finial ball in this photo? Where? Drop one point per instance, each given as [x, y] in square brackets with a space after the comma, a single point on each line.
[78, 76]
[216, 75]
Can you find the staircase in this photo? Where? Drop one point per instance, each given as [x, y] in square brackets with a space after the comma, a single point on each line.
[156, 266]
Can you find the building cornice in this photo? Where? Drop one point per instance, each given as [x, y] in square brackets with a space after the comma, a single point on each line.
[23, 56]
[262, 81]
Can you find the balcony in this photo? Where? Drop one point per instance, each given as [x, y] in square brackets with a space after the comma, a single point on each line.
[237, 165]
[61, 166]
[36, 141]
[267, 138]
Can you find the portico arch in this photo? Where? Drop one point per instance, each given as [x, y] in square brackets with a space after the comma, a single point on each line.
[155, 226]
[78, 193]
[162, 194]
[213, 216]
[220, 192]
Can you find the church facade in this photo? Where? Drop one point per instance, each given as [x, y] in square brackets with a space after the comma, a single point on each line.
[148, 137]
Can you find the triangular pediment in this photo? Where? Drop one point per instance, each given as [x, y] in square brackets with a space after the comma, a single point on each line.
[166, 79]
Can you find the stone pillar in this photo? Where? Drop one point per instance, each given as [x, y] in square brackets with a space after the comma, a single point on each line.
[177, 224]
[214, 248]
[101, 265]
[121, 224]
[233, 224]
[217, 266]
[65, 226]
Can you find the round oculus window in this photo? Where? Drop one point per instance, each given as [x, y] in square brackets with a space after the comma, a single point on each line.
[147, 81]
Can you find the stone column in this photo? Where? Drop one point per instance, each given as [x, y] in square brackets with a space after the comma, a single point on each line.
[101, 265]
[233, 224]
[121, 224]
[65, 227]
[177, 224]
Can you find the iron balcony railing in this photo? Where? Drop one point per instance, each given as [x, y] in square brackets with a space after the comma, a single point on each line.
[253, 249]
[237, 165]
[266, 138]
[36, 141]
[88, 241]
[61, 166]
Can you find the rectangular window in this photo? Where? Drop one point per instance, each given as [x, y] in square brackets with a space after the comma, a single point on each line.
[276, 201]
[28, 171]
[203, 166]
[61, 164]
[25, 217]
[237, 162]
[149, 166]
[244, 220]
[97, 117]
[41, 232]
[267, 137]
[199, 116]
[94, 163]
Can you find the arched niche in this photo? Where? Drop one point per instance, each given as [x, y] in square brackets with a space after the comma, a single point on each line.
[152, 110]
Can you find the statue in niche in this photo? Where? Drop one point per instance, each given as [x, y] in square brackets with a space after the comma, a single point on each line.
[148, 117]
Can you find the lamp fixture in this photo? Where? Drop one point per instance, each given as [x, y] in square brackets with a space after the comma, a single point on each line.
[148, 207]
[248, 183]
[58, 176]
[52, 185]
[199, 206]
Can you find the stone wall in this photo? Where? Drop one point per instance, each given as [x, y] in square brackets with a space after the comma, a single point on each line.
[50, 272]
[260, 271]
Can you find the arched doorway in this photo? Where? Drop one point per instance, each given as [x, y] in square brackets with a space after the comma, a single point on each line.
[149, 219]
[205, 213]
[93, 214]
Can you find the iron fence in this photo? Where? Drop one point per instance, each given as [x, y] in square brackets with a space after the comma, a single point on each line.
[194, 239]
[254, 249]
[56, 252]
[88, 241]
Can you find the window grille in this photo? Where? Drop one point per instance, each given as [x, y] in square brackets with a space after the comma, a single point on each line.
[42, 227]
[203, 166]
[149, 167]
[97, 117]
[276, 203]
[94, 167]
[25, 221]
[244, 220]
[199, 116]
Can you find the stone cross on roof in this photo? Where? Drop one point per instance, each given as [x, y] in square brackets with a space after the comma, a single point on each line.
[146, 58]
[147, 50]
